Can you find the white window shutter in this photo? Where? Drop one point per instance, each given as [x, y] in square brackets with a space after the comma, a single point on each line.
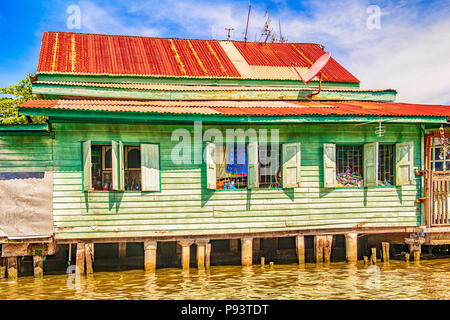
[252, 165]
[291, 165]
[404, 166]
[371, 164]
[118, 171]
[87, 166]
[150, 170]
[210, 165]
[329, 165]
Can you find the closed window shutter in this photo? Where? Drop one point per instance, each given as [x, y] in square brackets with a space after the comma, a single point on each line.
[210, 165]
[150, 170]
[252, 165]
[404, 166]
[371, 164]
[118, 172]
[329, 165]
[291, 165]
[87, 166]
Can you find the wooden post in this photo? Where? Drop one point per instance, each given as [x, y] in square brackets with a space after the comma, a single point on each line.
[150, 256]
[385, 246]
[200, 254]
[38, 267]
[300, 245]
[89, 254]
[12, 267]
[263, 261]
[366, 260]
[2, 268]
[351, 247]
[233, 245]
[327, 248]
[246, 251]
[374, 256]
[208, 256]
[185, 254]
[80, 257]
[415, 250]
[122, 249]
[407, 257]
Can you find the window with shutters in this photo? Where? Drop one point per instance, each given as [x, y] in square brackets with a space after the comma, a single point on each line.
[120, 167]
[231, 166]
[386, 165]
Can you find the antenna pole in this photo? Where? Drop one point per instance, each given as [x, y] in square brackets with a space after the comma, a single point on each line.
[248, 19]
[228, 33]
[281, 33]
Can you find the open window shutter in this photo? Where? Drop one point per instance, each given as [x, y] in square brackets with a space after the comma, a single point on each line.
[371, 164]
[150, 167]
[329, 165]
[404, 166]
[87, 166]
[210, 165]
[117, 165]
[291, 165]
[252, 165]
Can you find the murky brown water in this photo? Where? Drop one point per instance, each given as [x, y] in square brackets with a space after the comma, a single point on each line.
[396, 280]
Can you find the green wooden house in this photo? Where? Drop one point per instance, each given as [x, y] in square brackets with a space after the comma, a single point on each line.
[155, 140]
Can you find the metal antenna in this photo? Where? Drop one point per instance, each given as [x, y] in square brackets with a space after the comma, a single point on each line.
[229, 33]
[248, 19]
[282, 39]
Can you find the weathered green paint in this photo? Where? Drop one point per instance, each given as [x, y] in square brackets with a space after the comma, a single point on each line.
[25, 127]
[188, 81]
[185, 206]
[228, 94]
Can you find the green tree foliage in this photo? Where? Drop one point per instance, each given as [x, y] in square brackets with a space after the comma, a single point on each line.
[13, 96]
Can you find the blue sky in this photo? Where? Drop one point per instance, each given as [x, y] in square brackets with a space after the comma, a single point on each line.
[408, 52]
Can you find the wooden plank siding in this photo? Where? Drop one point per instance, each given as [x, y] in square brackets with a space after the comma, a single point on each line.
[184, 206]
[25, 152]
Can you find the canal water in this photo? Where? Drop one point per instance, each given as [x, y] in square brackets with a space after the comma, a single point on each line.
[429, 279]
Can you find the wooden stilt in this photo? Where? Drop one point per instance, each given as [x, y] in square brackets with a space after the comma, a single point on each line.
[234, 245]
[89, 255]
[366, 260]
[407, 257]
[246, 251]
[208, 256]
[150, 256]
[122, 248]
[385, 247]
[12, 268]
[351, 247]
[263, 261]
[200, 254]
[2, 268]
[185, 254]
[374, 256]
[80, 257]
[415, 250]
[327, 248]
[38, 266]
[300, 246]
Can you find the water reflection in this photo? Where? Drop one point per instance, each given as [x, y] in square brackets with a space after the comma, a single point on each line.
[394, 280]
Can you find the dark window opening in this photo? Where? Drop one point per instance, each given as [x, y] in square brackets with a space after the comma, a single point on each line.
[269, 167]
[133, 168]
[349, 165]
[101, 167]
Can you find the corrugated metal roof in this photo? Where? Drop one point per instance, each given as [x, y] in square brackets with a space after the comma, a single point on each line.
[96, 54]
[261, 108]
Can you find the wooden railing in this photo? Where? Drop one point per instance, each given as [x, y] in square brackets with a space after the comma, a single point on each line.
[438, 193]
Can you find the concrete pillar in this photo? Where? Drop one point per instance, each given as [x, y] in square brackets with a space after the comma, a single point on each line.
[201, 250]
[351, 247]
[38, 266]
[12, 267]
[233, 245]
[150, 256]
[300, 246]
[122, 249]
[327, 248]
[185, 253]
[80, 257]
[322, 246]
[247, 251]
[89, 254]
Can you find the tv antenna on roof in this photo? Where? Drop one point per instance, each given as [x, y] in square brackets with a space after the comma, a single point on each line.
[229, 33]
[266, 32]
[248, 19]
[282, 39]
[315, 69]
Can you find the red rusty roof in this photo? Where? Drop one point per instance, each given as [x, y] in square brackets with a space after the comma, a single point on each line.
[261, 108]
[78, 53]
